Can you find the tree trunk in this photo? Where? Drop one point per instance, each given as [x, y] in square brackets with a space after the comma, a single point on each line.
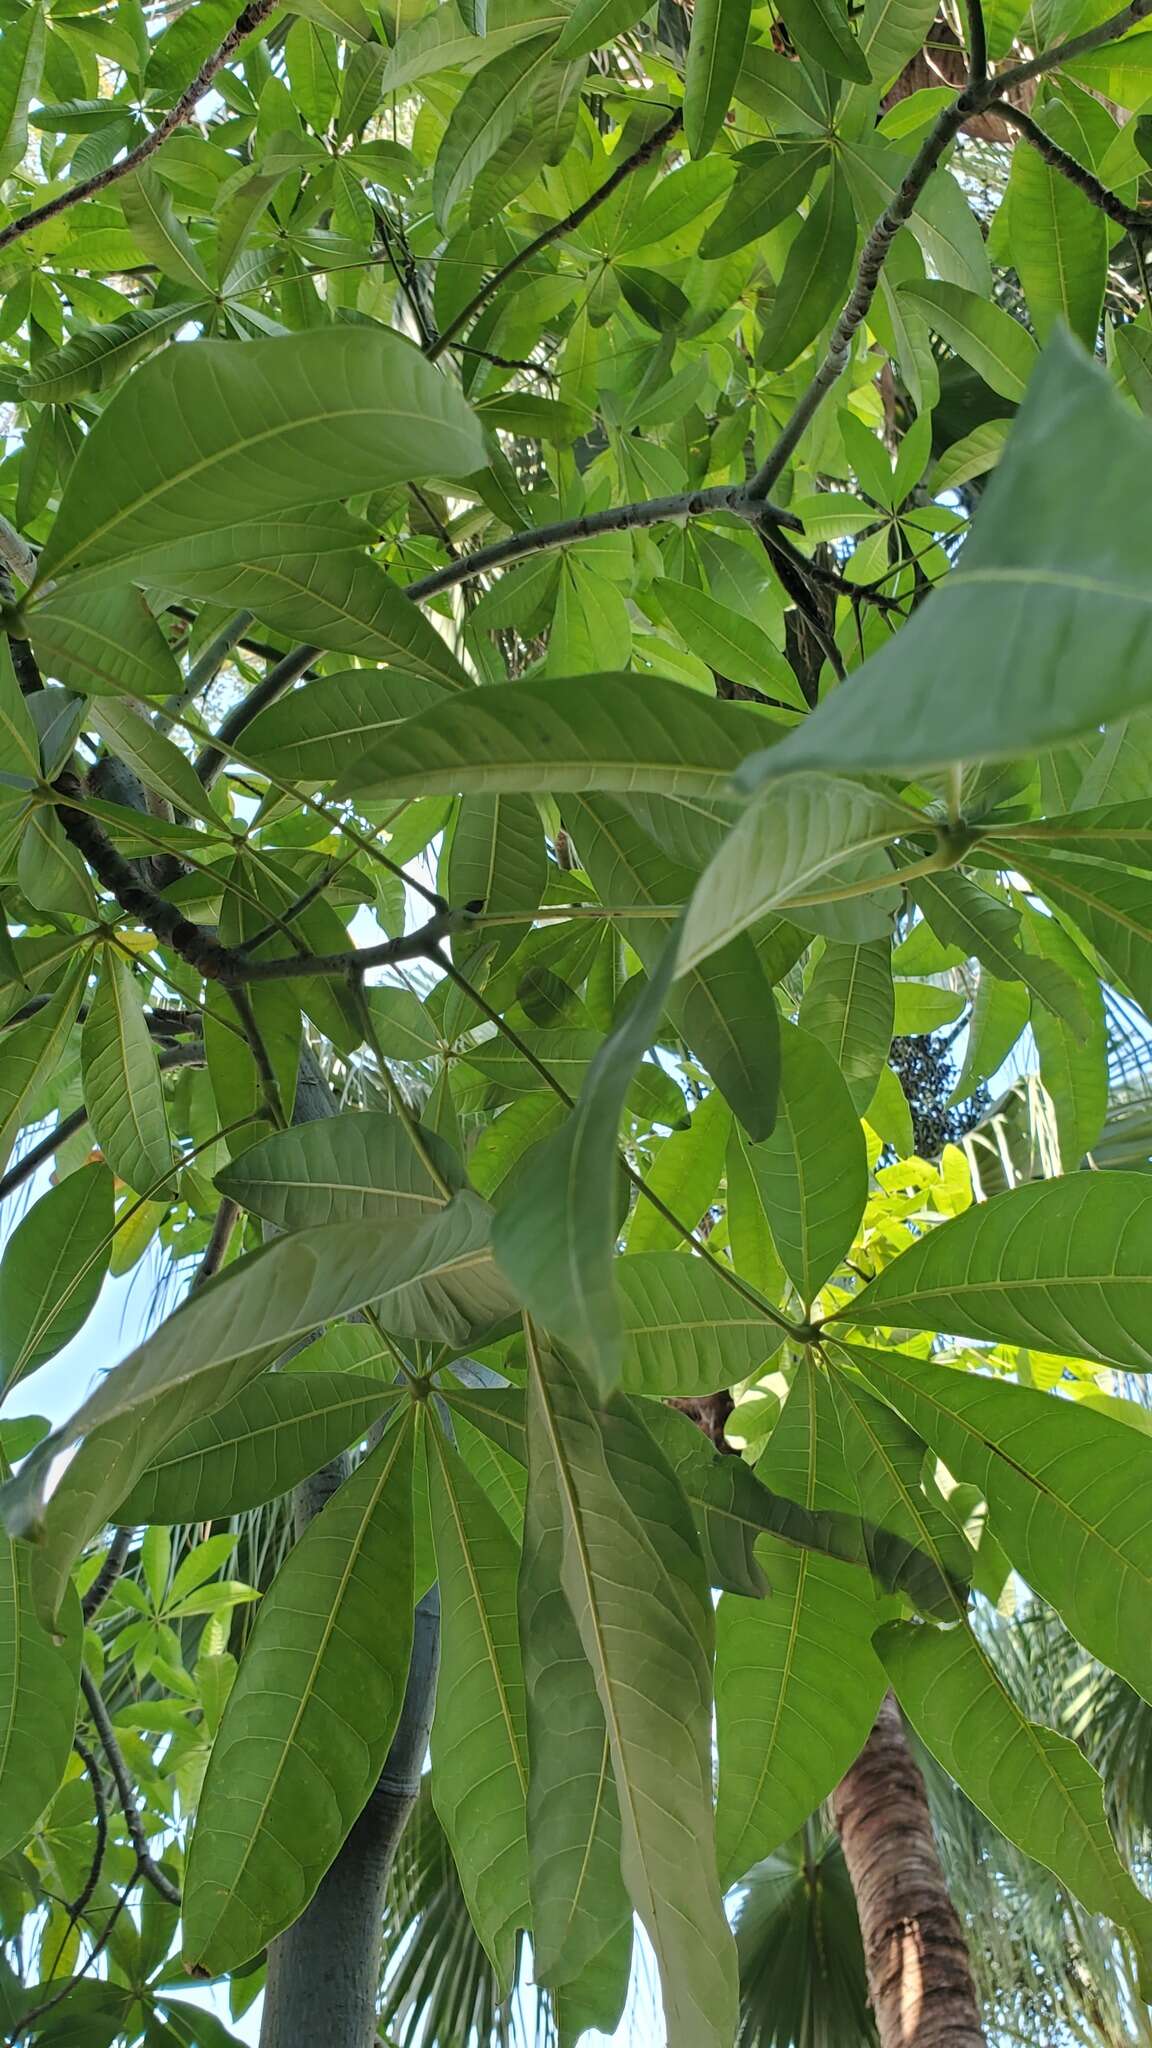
[324, 1972]
[919, 1975]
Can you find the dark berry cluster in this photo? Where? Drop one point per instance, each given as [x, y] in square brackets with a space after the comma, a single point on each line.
[927, 1073]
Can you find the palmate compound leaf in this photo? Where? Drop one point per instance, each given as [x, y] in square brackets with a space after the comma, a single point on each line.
[1067, 1488]
[1037, 1787]
[434, 1278]
[310, 1718]
[612, 732]
[261, 426]
[1043, 630]
[797, 1680]
[257, 1448]
[787, 849]
[555, 1238]
[733, 1506]
[87, 1495]
[39, 1679]
[479, 1743]
[635, 1582]
[1061, 1266]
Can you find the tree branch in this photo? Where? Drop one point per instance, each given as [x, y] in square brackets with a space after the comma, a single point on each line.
[123, 1783]
[107, 1576]
[615, 519]
[975, 99]
[1134, 218]
[251, 18]
[288, 669]
[556, 231]
[977, 43]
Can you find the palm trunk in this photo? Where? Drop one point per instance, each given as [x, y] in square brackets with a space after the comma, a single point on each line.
[919, 1973]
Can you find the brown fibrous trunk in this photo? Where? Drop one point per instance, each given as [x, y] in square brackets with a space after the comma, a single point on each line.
[919, 1974]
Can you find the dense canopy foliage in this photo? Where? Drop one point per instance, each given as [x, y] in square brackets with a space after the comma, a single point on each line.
[576, 611]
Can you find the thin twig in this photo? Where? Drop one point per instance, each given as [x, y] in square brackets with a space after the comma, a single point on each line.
[1135, 218]
[107, 1576]
[557, 230]
[124, 1792]
[251, 18]
[96, 1950]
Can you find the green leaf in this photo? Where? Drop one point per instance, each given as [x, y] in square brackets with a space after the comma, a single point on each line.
[890, 33]
[593, 732]
[635, 1582]
[479, 1745]
[310, 1718]
[850, 1007]
[786, 851]
[999, 1014]
[160, 765]
[573, 1817]
[1041, 632]
[97, 357]
[53, 1269]
[999, 349]
[735, 646]
[797, 1681]
[1064, 1487]
[816, 269]
[1059, 243]
[102, 1472]
[149, 213]
[31, 1051]
[432, 1279]
[342, 1169]
[820, 28]
[685, 1173]
[769, 187]
[687, 1329]
[1074, 1070]
[340, 601]
[21, 63]
[256, 1448]
[812, 1172]
[1036, 1786]
[324, 728]
[909, 1540]
[102, 642]
[592, 24]
[261, 426]
[1108, 906]
[123, 1092]
[1057, 1265]
[497, 858]
[715, 53]
[984, 926]
[39, 1679]
[555, 1237]
[483, 118]
[723, 1007]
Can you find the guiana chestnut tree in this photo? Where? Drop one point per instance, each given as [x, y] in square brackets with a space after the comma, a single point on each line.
[575, 581]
